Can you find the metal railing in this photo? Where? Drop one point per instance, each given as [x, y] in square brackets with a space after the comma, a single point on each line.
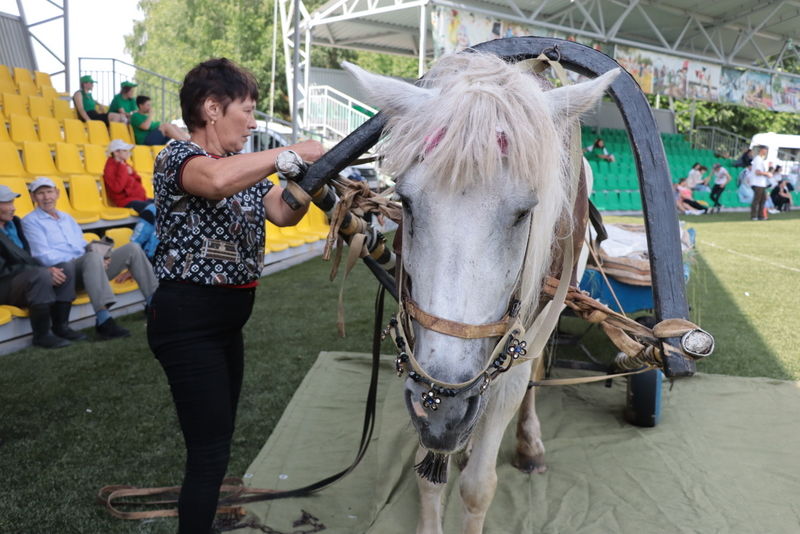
[722, 142]
[333, 113]
[109, 73]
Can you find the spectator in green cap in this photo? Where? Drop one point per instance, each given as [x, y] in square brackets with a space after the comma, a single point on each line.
[86, 106]
[124, 102]
[146, 131]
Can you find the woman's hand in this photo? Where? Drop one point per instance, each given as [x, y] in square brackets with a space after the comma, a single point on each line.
[309, 150]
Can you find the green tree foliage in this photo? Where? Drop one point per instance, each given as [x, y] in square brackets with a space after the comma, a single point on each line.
[177, 34]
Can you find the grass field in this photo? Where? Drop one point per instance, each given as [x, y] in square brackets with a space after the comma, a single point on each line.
[96, 413]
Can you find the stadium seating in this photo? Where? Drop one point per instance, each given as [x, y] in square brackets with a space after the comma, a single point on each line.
[23, 76]
[42, 79]
[98, 133]
[63, 110]
[142, 158]
[68, 159]
[118, 130]
[39, 106]
[10, 162]
[7, 84]
[85, 196]
[49, 130]
[63, 204]
[23, 203]
[37, 159]
[27, 89]
[22, 129]
[75, 132]
[94, 158]
[4, 137]
[14, 104]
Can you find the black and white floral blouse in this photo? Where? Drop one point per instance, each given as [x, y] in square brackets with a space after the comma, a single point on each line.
[203, 241]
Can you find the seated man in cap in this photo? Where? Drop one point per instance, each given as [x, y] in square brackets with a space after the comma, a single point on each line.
[56, 238]
[47, 292]
[124, 102]
[149, 132]
[86, 106]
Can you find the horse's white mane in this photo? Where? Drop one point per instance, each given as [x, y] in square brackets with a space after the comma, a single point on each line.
[480, 95]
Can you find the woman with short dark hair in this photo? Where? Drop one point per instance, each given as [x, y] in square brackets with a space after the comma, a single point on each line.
[211, 207]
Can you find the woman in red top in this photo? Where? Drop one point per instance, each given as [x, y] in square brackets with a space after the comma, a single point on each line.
[123, 184]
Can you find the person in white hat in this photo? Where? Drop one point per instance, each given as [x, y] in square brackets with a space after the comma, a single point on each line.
[47, 292]
[123, 183]
[55, 238]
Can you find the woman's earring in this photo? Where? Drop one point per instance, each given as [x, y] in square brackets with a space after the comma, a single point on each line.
[213, 122]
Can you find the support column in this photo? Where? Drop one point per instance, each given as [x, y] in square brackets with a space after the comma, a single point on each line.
[423, 34]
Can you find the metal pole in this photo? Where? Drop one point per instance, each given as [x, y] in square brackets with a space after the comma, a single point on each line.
[306, 76]
[67, 67]
[423, 33]
[274, 57]
[296, 71]
[163, 100]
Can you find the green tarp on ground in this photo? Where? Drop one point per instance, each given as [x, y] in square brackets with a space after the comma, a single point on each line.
[724, 459]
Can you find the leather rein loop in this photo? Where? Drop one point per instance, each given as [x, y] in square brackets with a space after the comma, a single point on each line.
[454, 328]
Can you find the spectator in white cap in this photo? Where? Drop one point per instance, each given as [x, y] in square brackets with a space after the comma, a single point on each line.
[47, 292]
[56, 238]
[123, 183]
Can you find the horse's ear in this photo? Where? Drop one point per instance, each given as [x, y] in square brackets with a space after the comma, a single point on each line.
[388, 94]
[572, 100]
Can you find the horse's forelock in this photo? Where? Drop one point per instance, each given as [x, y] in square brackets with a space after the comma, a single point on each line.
[481, 95]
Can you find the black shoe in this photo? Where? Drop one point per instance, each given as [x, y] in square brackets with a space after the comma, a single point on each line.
[59, 313]
[49, 341]
[109, 329]
[69, 333]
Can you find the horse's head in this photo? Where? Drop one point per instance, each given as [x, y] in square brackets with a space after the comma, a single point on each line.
[480, 152]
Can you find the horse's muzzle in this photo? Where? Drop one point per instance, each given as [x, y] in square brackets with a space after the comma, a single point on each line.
[447, 429]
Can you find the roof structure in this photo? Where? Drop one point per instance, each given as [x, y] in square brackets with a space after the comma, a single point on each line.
[757, 35]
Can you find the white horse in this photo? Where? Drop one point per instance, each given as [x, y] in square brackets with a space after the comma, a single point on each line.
[480, 150]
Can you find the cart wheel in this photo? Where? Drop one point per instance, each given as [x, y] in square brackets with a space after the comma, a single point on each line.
[643, 400]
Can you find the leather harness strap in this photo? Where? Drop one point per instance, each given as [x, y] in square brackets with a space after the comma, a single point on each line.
[454, 328]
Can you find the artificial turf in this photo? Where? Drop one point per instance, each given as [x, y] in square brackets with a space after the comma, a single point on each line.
[96, 413]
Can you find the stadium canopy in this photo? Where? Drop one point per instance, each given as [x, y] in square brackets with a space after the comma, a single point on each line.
[748, 34]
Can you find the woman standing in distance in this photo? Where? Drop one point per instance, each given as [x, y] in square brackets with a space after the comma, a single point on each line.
[211, 205]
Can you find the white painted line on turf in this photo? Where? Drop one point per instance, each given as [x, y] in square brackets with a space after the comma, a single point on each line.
[756, 258]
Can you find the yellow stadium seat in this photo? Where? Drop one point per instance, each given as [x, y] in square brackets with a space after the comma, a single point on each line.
[22, 203]
[63, 204]
[14, 311]
[27, 89]
[142, 159]
[91, 236]
[275, 235]
[85, 196]
[94, 158]
[98, 133]
[121, 236]
[49, 130]
[4, 137]
[68, 159]
[62, 110]
[5, 316]
[75, 132]
[42, 79]
[23, 75]
[5, 74]
[37, 158]
[22, 129]
[108, 204]
[39, 106]
[147, 183]
[307, 226]
[119, 130]
[10, 163]
[49, 93]
[294, 232]
[14, 104]
[156, 149]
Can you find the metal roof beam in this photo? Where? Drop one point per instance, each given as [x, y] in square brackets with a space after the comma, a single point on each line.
[356, 14]
[368, 37]
[653, 27]
[612, 32]
[587, 17]
[719, 54]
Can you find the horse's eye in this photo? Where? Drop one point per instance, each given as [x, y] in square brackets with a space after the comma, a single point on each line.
[406, 204]
[521, 216]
